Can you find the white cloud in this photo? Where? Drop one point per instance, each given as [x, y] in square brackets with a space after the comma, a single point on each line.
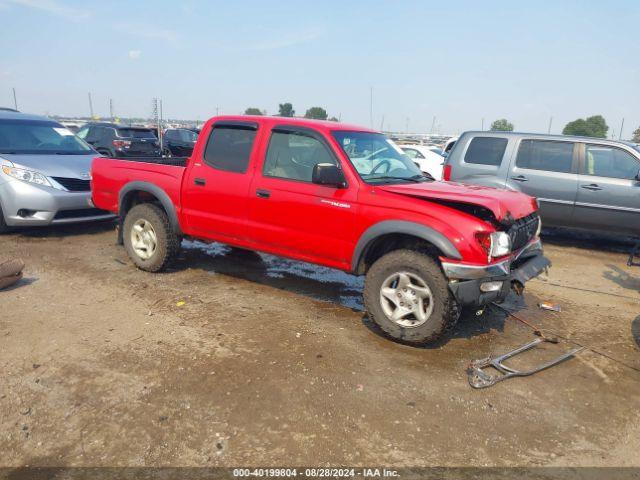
[135, 54]
[53, 7]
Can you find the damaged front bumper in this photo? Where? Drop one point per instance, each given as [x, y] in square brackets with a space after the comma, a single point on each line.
[479, 285]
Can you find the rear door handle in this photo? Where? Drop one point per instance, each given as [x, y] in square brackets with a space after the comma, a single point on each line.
[200, 181]
[263, 193]
[594, 187]
[520, 178]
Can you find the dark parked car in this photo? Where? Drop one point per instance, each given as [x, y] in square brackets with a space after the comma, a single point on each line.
[179, 142]
[580, 182]
[120, 141]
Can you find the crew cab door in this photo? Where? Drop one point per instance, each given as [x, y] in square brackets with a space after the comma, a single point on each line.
[547, 170]
[608, 191]
[292, 216]
[216, 184]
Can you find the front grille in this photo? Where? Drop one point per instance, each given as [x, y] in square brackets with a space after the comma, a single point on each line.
[523, 231]
[74, 184]
[80, 213]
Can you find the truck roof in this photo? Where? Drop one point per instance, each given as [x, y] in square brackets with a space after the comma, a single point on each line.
[301, 122]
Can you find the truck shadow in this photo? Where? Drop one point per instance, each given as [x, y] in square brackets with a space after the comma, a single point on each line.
[67, 230]
[322, 283]
[587, 240]
[314, 281]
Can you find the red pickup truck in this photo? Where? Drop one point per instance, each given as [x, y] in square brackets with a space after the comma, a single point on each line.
[335, 195]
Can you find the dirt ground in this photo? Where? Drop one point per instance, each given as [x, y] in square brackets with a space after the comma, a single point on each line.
[243, 359]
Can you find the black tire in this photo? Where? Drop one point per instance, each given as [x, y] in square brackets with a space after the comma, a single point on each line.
[167, 244]
[445, 311]
[4, 228]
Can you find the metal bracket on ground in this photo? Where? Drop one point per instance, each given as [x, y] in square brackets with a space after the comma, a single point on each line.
[478, 378]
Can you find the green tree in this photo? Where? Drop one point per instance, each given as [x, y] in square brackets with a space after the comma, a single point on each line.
[286, 110]
[316, 113]
[502, 125]
[636, 136]
[594, 126]
[253, 111]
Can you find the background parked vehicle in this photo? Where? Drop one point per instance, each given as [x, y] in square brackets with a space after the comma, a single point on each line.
[425, 158]
[44, 176]
[580, 182]
[449, 144]
[120, 141]
[179, 142]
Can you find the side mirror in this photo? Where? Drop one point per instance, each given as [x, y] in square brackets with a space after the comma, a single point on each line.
[328, 174]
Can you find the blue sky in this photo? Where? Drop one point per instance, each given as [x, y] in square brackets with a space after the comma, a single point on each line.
[460, 61]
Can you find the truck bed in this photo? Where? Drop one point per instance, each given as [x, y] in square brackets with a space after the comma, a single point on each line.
[111, 175]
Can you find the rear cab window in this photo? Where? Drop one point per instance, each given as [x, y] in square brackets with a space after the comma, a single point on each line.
[229, 147]
[547, 155]
[487, 151]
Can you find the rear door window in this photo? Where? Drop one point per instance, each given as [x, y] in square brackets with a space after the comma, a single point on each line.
[229, 148]
[612, 162]
[551, 156]
[486, 151]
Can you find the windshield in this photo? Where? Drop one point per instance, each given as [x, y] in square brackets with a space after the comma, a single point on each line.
[136, 133]
[376, 158]
[39, 137]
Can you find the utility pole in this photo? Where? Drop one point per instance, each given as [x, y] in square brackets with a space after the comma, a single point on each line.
[371, 107]
[217, 110]
[407, 129]
[482, 125]
[15, 101]
[621, 127]
[433, 124]
[382, 124]
[550, 122]
[111, 109]
[90, 106]
[160, 131]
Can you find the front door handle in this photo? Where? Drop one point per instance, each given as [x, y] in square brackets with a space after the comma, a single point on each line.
[263, 193]
[200, 182]
[520, 178]
[594, 187]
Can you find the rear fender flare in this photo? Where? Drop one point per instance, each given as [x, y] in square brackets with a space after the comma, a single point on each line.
[157, 192]
[386, 227]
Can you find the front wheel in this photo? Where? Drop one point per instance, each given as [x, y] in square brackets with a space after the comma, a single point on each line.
[148, 237]
[408, 297]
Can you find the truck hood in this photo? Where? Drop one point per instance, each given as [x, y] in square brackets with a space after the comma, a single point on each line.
[506, 205]
[70, 166]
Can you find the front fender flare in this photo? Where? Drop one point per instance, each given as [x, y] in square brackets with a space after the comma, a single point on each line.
[386, 227]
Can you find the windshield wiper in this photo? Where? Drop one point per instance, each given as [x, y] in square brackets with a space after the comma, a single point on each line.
[415, 178]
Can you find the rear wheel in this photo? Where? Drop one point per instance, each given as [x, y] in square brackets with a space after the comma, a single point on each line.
[408, 297]
[149, 239]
